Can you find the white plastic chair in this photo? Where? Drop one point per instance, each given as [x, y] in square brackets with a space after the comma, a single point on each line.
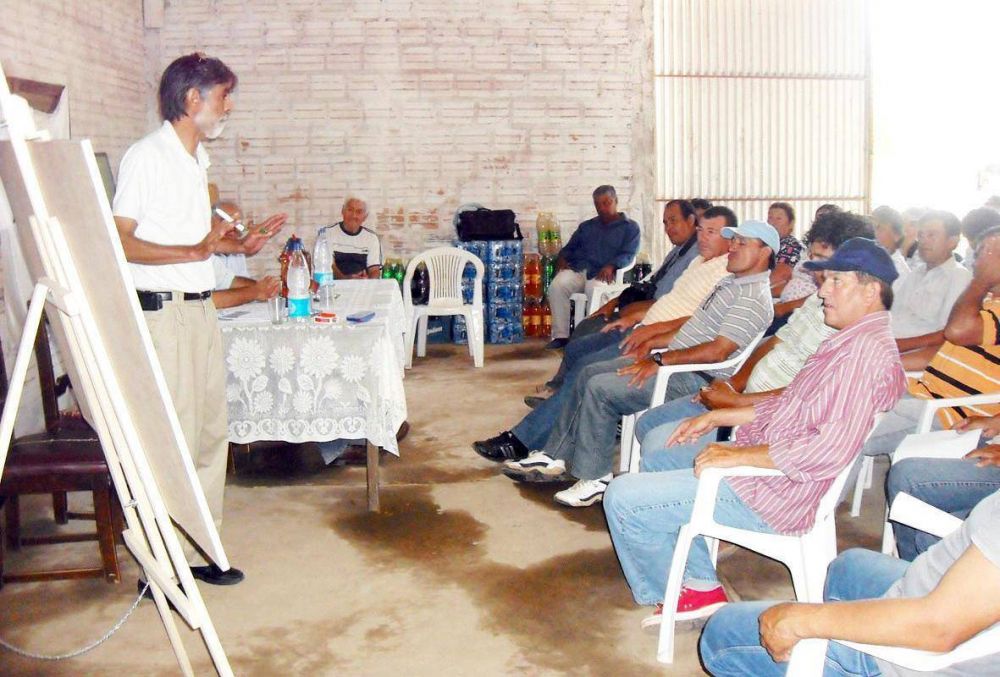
[578, 301]
[445, 267]
[807, 556]
[808, 656]
[630, 451]
[864, 480]
[946, 444]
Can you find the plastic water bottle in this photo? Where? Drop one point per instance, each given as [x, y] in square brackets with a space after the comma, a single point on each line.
[299, 297]
[322, 262]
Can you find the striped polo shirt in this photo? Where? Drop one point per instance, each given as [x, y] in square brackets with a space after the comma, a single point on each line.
[738, 308]
[958, 371]
[800, 338]
[697, 281]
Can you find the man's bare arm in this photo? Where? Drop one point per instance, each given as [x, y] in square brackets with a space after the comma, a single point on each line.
[933, 340]
[965, 602]
[142, 251]
[244, 290]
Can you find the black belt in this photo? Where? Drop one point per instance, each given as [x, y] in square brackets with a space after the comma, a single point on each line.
[154, 300]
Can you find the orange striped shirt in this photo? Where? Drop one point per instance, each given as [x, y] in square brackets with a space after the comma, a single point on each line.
[958, 371]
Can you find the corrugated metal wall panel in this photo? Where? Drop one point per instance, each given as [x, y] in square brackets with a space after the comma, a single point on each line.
[763, 100]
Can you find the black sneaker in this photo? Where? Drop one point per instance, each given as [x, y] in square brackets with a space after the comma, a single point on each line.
[213, 575]
[503, 447]
[533, 400]
[556, 344]
[147, 593]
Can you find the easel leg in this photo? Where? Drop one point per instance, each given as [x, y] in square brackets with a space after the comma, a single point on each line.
[372, 454]
[35, 307]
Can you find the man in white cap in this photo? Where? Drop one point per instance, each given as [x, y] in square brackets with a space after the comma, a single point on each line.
[582, 442]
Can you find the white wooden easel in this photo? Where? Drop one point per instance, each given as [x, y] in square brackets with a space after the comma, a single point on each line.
[150, 533]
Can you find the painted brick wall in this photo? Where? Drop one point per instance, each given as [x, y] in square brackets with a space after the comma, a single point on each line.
[424, 105]
[95, 48]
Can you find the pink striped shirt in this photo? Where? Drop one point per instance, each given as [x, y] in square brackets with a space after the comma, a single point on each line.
[818, 424]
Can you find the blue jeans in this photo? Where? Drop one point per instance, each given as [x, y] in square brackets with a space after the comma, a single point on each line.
[581, 345]
[730, 644]
[955, 486]
[584, 435]
[654, 428]
[645, 511]
[534, 429]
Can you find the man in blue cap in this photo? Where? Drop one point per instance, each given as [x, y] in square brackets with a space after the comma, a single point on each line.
[810, 432]
[581, 444]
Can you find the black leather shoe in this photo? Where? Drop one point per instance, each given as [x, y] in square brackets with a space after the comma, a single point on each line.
[503, 447]
[533, 400]
[556, 344]
[213, 575]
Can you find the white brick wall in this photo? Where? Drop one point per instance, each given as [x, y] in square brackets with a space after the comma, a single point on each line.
[95, 48]
[423, 105]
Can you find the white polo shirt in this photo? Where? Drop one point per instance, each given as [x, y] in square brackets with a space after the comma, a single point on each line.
[165, 191]
[924, 298]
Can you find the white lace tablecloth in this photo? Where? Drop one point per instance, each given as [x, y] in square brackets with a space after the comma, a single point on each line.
[308, 382]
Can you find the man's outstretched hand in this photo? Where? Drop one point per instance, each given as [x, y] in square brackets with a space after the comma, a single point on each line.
[262, 232]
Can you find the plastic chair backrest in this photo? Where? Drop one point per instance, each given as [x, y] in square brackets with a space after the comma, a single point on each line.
[445, 270]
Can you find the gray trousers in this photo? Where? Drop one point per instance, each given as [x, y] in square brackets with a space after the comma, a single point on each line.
[584, 434]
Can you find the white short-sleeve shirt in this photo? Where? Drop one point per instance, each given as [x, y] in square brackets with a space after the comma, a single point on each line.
[164, 189]
[924, 298]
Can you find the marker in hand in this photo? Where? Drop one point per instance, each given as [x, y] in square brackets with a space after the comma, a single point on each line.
[228, 219]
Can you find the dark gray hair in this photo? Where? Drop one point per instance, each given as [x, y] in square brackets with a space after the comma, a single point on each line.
[605, 190]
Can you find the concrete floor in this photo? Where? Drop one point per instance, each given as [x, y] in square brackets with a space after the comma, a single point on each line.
[464, 572]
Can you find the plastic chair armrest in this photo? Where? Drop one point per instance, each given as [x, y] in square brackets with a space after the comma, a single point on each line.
[915, 513]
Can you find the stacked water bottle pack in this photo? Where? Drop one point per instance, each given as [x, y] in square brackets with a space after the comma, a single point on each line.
[502, 290]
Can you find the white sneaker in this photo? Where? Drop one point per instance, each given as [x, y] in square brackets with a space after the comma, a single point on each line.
[584, 492]
[537, 467]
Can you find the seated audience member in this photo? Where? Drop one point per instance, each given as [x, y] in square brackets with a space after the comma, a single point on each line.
[975, 223]
[581, 444]
[594, 253]
[889, 234]
[693, 287]
[235, 263]
[679, 224]
[911, 219]
[827, 233]
[355, 249]
[235, 290]
[810, 432]
[701, 205]
[952, 485]
[967, 364]
[946, 596]
[782, 217]
[925, 296]
[696, 281]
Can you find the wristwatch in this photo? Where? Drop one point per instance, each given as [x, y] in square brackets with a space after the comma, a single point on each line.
[658, 358]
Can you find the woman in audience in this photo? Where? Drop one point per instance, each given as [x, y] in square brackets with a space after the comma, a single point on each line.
[782, 217]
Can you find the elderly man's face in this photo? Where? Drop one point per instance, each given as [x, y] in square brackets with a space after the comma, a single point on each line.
[213, 111]
[354, 213]
[606, 206]
[845, 298]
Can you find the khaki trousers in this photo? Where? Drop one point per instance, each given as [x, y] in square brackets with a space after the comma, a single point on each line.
[189, 346]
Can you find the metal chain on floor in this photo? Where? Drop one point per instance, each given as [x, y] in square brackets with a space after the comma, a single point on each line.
[83, 650]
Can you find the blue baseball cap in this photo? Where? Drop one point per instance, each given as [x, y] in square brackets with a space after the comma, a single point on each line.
[764, 232]
[859, 254]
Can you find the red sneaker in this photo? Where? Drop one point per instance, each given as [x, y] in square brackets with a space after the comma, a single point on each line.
[694, 604]
[691, 605]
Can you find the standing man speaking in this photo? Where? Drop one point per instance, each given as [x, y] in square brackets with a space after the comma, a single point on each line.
[162, 212]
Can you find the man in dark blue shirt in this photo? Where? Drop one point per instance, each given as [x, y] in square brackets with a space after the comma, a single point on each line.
[598, 248]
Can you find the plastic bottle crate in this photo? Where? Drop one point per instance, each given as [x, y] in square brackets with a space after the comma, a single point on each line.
[503, 251]
[459, 333]
[503, 312]
[477, 247]
[505, 332]
[504, 292]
